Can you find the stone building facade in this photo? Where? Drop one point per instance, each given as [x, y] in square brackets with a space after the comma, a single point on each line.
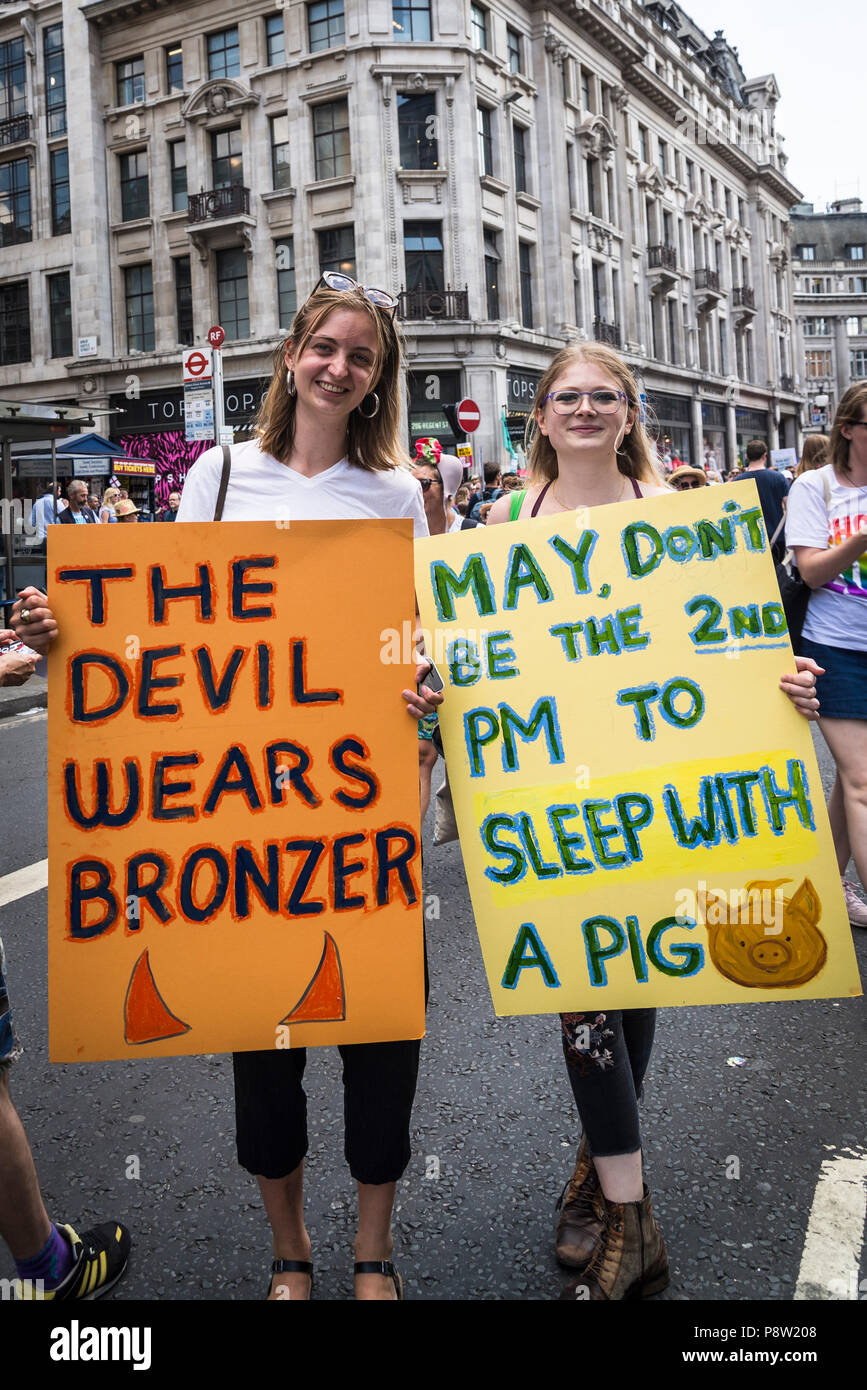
[525, 174]
[829, 262]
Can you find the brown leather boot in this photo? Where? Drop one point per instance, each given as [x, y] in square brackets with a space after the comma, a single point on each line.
[629, 1260]
[581, 1206]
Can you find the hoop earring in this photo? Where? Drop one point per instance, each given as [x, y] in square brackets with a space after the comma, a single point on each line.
[290, 382]
[365, 415]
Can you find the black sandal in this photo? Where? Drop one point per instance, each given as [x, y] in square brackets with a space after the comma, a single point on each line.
[384, 1267]
[291, 1267]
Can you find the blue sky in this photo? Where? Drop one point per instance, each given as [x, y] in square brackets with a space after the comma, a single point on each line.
[817, 52]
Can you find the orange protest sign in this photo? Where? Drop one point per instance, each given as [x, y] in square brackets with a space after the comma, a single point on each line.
[233, 833]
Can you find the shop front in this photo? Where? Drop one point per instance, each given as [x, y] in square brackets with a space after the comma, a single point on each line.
[430, 392]
[670, 425]
[152, 427]
[750, 424]
[713, 443]
[521, 390]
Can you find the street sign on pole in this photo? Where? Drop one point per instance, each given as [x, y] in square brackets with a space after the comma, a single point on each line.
[219, 402]
[469, 415]
[216, 336]
[197, 366]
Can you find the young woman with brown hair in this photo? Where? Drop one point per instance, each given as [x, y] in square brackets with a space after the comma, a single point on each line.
[814, 455]
[590, 448]
[328, 448]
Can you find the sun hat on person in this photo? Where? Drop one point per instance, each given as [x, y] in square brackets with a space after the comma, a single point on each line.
[697, 475]
[451, 472]
[125, 507]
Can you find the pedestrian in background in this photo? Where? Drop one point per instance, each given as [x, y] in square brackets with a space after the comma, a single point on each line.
[171, 511]
[826, 527]
[685, 478]
[78, 512]
[773, 490]
[815, 454]
[109, 499]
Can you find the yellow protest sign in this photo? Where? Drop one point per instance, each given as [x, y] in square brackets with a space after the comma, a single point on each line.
[640, 810]
[233, 790]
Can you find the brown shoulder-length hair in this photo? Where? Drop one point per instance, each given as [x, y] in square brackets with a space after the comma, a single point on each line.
[848, 413]
[373, 444]
[635, 458]
[815, 453]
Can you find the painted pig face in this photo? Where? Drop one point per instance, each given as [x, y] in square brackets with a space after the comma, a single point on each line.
[767, 942]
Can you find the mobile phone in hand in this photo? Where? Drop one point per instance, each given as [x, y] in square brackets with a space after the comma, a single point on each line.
[432, 678]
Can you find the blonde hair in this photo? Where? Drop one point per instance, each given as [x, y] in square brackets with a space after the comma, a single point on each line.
[635, 457]
[373, 444]
[110, 496]
[815, 454]
[848, 413]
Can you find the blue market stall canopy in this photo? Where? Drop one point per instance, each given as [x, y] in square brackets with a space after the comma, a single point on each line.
[91, 454]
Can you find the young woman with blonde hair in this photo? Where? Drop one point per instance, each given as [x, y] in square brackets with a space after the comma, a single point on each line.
[814, 455]
[590, 448]
[328, 448]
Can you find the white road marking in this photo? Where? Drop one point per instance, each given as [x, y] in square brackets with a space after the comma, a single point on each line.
[14, 721]
[23, 882]
[832, 1249]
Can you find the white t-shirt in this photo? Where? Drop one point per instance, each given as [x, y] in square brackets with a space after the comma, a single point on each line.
[262, 489]
[837, 614]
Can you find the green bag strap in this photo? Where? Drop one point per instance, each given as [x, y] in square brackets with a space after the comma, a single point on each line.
[515, 503]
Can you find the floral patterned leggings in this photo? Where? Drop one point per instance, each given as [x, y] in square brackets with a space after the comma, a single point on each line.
[606, 1059]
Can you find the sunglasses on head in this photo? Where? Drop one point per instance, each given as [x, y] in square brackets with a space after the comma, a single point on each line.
[334, 280]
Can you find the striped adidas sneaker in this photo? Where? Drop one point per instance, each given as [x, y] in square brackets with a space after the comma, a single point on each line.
[101, 1257]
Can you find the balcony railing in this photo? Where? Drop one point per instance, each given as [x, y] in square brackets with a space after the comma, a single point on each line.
[707, 280]
[745, 297]
[15, 128]
[218, 202]
[433, 304]
[787, 383]
[606, 332]
[662, 257]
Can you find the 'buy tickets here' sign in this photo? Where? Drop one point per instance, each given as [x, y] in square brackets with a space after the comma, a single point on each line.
[640, 810]
[201, 899]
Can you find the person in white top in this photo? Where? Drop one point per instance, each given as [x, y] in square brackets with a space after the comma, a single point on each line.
[328, 448]
[826, 527]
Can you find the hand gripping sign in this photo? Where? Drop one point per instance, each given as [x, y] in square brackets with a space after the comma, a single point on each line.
[640, 810]
[233, 791]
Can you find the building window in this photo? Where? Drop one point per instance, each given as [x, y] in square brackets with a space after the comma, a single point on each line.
[859, 284]
[325, 25]
[513, 45]
[287, 303]
[233, 301]
[139, 295]
[486, 140]
[526, 278]
[61, 221]
[14, 323]
[184, 301]
[853, 327]
[134, 192]
[806, 253]
[858, 363]
[643, 150]
[519, 136]
[570, 173]
[331, 155]
[416, 124]
[224, 54]
[594, 192]
[280, 173]
[175, 68]
[856, 253]
[586, 99]
[690, 175]
[13, 81]
[423, 254]
[275, 41]
[130, 81]
[60, 314]
[410, 21]
[818, 363]
[337, 250]
[816, 328]
[479, 26]
[15, 216]
[227, 162]
[178, 174]
[492, 275]
[663, 157]
[55, 80]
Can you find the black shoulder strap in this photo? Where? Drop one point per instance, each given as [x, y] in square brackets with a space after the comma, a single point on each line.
[224, 482]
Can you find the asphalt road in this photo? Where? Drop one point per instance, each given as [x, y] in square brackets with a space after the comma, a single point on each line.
[494, 1125]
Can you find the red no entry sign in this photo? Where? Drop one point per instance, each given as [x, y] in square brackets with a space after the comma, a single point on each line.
[469, 416]
[216, 336]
